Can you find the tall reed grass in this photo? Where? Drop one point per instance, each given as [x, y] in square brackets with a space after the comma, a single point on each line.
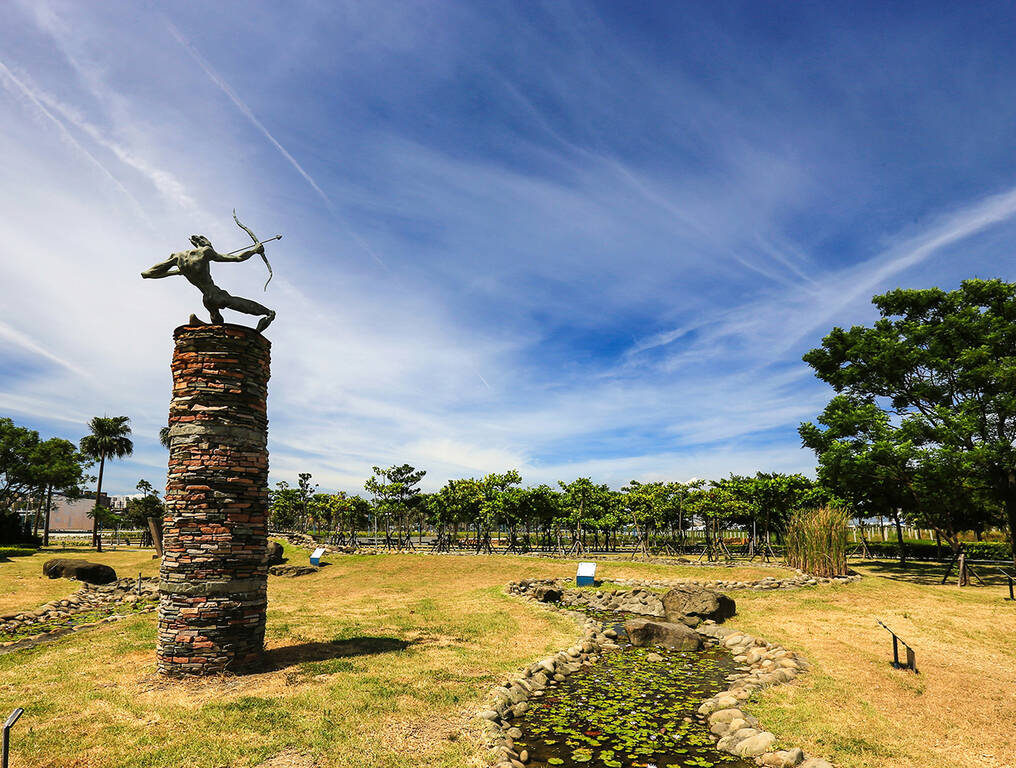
[817, 541]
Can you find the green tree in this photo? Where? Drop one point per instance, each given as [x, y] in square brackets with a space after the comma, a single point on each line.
[396, 492]
[768, 499]
[456, 503]
[139, 509]
[646, 504]
[57, 466]
[582, 503]
[881, 468]
[283, 506]
[491, 492]
[943, 364]
[721, 502]
[109, 438]
[17, 446]
[304, 493]
[146, 512]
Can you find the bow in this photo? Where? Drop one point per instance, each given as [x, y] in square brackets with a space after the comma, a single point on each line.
[256, 242]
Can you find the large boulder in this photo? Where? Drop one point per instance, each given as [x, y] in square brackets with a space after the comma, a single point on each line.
[82, 570]
[647, 632]
[275, 553]
[690, 604]
[292, 570]
[547, 594]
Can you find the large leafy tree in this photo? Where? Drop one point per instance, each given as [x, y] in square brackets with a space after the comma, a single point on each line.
[942, 365]
[57, 465]
[17, 447]
[109, 438]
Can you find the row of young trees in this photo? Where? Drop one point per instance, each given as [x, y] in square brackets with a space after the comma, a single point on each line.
[655, 516]
[922, 430]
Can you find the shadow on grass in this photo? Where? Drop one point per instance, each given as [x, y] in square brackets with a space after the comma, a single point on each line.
[930, 574]
[292, 655]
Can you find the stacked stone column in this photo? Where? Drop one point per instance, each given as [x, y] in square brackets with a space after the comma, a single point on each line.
[214, 576]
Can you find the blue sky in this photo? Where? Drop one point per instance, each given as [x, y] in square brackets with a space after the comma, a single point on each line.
[576, 239]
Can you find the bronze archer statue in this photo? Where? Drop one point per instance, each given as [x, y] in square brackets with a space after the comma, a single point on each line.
[194, 265]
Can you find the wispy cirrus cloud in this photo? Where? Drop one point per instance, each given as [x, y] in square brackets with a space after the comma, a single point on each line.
[608, 237]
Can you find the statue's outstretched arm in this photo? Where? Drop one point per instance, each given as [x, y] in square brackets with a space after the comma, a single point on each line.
[242, 256]
[162, 269]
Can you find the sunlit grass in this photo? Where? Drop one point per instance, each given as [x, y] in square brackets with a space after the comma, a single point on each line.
[382, 660]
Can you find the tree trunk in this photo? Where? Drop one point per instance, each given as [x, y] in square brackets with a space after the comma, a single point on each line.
[156, 536]
[38, 513]
[899, 536]
[49, 504]
[96, 541]
[1010, 513]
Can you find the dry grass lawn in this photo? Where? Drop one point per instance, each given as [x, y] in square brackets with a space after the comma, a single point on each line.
[379, 661]
[23, 586]
[855, 709]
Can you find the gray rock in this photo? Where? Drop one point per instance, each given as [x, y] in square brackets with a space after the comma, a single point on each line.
[547, 594]
[644, 632]
[82, 570]
[690, 600]
[274, 553]
[755, 745]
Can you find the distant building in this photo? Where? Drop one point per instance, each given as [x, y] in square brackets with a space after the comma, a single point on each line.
[72, 514]
[119, 503]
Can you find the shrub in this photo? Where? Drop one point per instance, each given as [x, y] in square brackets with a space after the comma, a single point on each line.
[816, 541]
[6, 552]
[926, 550]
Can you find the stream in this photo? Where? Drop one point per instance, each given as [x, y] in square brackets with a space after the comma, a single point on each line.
[629, 710]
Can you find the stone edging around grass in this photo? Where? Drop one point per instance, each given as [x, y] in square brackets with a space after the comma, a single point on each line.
[762, 665]
[89, 599]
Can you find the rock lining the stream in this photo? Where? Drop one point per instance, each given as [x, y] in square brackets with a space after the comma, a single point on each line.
[761, 665]
[681, 637]
[89, 599]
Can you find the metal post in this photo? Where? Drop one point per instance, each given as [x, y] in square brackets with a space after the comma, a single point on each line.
[7, 734]
[1011, 597]
[896, 651]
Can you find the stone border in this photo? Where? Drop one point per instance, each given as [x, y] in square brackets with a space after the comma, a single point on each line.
[511, 700]
[642, 600]
[87, 599]
[762, 665]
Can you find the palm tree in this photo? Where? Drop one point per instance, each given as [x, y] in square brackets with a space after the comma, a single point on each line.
[164, 437]
[109, 439]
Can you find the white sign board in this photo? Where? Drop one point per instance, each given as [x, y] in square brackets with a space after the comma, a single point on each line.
[315, 559]
[586, 573]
